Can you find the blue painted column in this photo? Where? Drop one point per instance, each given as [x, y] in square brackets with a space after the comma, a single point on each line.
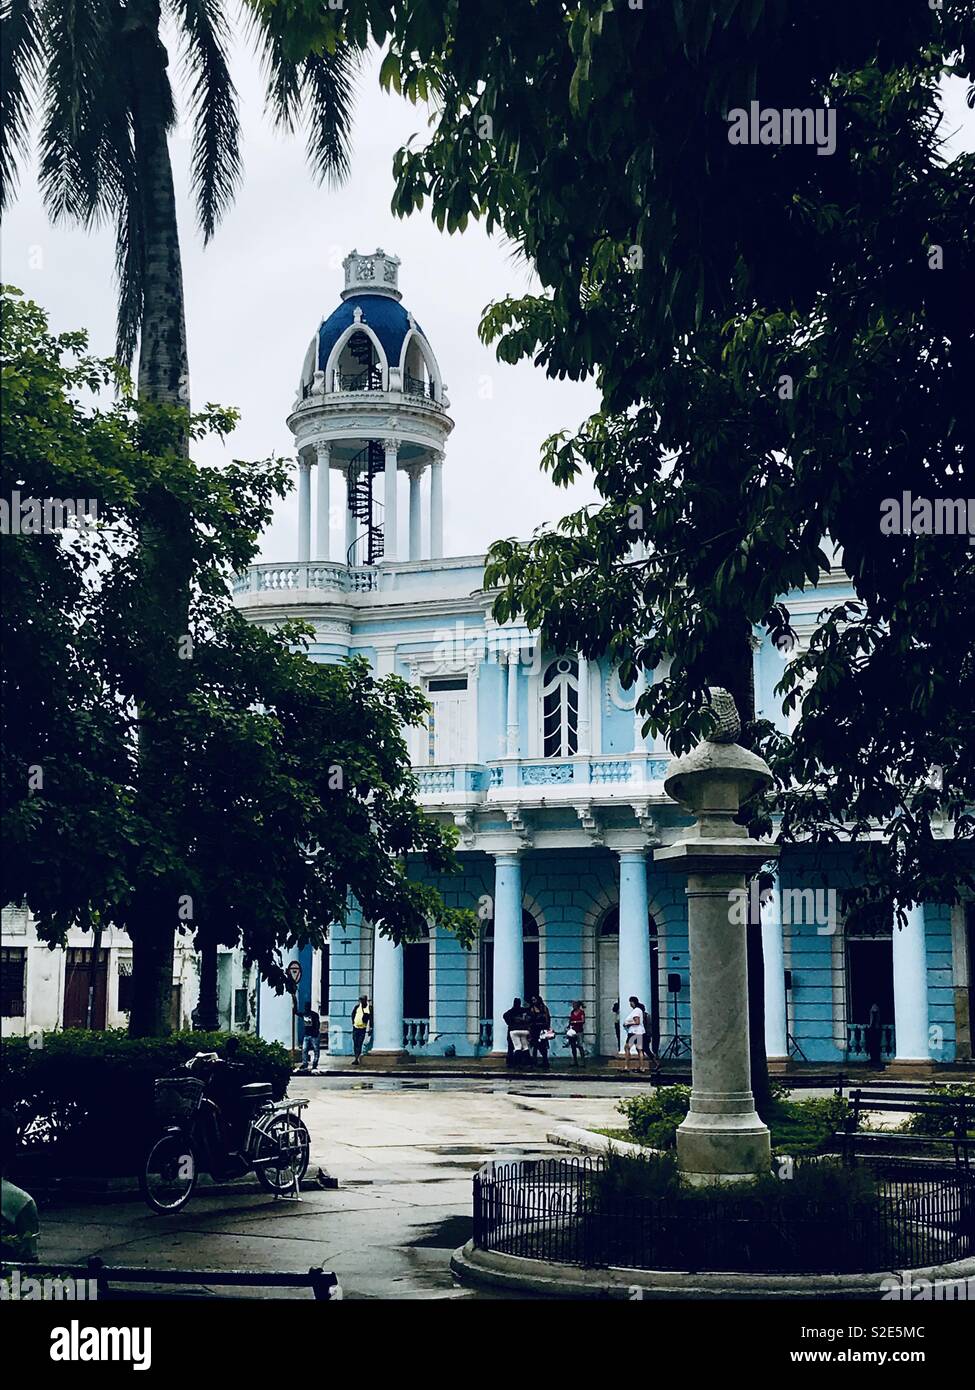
[910, 988]
[303, 994]
[776, 1026]
[387, 994]
[509, 949]
[634, 977]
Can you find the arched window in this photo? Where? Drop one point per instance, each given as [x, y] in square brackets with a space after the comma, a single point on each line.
[359, 367]
[608, 963]
[530, 961]
[416, 977]
[560, 708]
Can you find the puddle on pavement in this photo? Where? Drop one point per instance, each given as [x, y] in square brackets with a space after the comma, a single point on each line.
[448, 1234]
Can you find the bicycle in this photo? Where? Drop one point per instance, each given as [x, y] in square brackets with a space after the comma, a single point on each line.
[197, 1137]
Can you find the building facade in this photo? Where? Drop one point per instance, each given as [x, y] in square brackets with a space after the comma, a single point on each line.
[538, 759]
[84, 985]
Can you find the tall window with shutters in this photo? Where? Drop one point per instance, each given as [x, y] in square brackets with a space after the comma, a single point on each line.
[449, 726]
[560, 708]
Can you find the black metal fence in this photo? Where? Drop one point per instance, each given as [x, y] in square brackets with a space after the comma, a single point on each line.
[560, 1210]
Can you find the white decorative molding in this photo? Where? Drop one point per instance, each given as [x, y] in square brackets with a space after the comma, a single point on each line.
[647, 821]
[464, 821]
[515, 818]
[589, 820]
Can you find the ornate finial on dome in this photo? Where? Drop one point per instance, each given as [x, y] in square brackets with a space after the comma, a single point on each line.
[725, 711]
[376, 273]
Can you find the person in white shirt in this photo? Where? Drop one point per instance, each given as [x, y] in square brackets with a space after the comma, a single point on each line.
[633, 1023]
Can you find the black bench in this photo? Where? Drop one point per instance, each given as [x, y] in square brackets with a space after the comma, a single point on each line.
[323, 1283]
[961, 1109]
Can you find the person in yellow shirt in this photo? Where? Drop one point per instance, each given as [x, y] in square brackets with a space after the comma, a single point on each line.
[361, 1023]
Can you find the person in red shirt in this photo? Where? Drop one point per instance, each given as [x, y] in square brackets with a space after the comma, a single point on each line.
[575, 1030]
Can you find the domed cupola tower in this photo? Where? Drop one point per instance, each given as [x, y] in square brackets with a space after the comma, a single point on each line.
[371, 406]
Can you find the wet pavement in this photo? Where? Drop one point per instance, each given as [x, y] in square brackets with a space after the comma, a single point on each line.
[404, 1152]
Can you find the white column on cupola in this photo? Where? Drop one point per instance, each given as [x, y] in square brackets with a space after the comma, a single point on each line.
[911, 988]
[390, 521]
[415, 474]
[304, 509]
[436, 508]
[584, 734]
[350, 519]
[323, 451]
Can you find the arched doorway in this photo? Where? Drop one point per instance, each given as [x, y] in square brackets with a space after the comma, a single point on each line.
[869, 981]
[530, 962]
[416, 991]
[607, 992]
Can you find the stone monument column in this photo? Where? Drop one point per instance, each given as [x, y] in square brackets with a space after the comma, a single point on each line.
[723, 1138]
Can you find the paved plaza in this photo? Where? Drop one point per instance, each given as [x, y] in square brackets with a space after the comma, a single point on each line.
[404, 1153]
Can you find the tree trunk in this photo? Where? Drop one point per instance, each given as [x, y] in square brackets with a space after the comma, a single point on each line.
[152, 970]
[209, 1009]
[165, 554]
[96, 952]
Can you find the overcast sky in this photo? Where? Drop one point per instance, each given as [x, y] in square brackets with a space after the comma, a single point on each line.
[256, 295]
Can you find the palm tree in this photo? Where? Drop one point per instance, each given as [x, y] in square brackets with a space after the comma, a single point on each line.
[98, 70]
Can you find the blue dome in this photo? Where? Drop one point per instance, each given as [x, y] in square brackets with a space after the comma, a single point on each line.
[385, 316]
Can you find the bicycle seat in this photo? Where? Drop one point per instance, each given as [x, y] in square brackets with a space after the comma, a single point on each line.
[256, 1090]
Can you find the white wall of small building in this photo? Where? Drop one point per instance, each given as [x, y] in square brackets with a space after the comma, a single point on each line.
[46, 967]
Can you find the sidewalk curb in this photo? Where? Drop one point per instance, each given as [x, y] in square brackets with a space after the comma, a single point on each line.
[516, 1276]
[588, 1141]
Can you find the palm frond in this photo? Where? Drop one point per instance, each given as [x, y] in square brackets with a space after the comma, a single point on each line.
[78, 82]
[216, 169]
[317, 91]
[329, 100]
[20, 69]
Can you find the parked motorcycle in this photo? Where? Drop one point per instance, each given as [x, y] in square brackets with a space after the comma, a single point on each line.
[210, 1123]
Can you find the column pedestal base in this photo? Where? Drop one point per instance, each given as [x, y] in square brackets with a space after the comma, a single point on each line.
[723, 1148]
[907, 1067]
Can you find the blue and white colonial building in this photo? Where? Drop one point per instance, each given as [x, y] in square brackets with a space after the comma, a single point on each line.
[539, 760]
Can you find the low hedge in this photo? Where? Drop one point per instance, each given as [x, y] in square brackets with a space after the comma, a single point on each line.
[83, 1101]
[798, 1126]
[938, 1121]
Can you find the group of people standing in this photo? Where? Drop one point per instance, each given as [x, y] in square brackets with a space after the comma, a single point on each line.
[530, 1032]
[639, 1039]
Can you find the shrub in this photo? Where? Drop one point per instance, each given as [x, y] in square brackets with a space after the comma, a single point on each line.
[622, 1176]
[813, 1180]
[83, 1101]
[803, 1125]
[938, 1121]
[653, 1119]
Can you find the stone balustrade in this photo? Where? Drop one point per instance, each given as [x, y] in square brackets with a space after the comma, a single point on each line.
[294, 576]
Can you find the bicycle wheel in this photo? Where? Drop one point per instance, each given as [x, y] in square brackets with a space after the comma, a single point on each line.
[284, 1142]
[169, 1175]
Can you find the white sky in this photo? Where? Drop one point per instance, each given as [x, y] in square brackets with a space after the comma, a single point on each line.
[256, 295]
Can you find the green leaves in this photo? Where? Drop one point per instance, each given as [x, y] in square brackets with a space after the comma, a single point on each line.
[281, 787]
